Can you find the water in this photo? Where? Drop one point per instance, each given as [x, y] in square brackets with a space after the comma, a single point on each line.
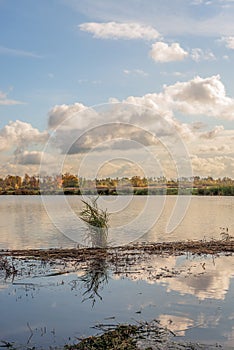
[193, 296]
[30, 222]
[196, 303]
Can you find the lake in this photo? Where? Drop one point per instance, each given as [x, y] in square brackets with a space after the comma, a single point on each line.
[193, 297]
[53, 221]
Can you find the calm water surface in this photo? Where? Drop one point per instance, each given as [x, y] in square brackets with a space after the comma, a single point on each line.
[196, 304]
[30, 222]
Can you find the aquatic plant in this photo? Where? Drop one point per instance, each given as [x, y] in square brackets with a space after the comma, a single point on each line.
[93, 215]
[8, 268]
[143, 335]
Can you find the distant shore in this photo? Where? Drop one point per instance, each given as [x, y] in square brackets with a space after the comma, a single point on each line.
[70, 184]
[138, 191]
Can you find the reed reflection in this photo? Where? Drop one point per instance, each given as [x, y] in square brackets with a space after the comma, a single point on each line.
[95, 279]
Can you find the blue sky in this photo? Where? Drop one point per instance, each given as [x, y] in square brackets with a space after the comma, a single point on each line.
[69, 52]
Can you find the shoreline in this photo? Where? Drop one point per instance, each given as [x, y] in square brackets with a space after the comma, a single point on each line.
[166, 248]
[137, 192]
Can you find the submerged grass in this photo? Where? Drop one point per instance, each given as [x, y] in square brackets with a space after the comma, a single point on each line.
[119, 338]
[93, 215]
[7, 267]
[144, 336]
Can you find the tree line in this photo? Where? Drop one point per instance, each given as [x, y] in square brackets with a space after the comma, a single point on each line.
[72, 184]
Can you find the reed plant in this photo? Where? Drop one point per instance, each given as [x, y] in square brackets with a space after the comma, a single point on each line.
[93, 215]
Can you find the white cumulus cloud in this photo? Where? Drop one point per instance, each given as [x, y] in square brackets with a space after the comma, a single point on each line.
[199, 55]
[20, 135]
[60, 114]
[154, 112]
[201, 96]
[114, 30]
[122, 126]
[162, 52]
[229, 41]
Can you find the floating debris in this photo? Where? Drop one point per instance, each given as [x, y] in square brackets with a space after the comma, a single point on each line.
[7, 267]
[111, 253]
[144, 336]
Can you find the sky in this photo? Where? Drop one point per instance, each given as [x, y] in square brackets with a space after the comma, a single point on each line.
[117, 88]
